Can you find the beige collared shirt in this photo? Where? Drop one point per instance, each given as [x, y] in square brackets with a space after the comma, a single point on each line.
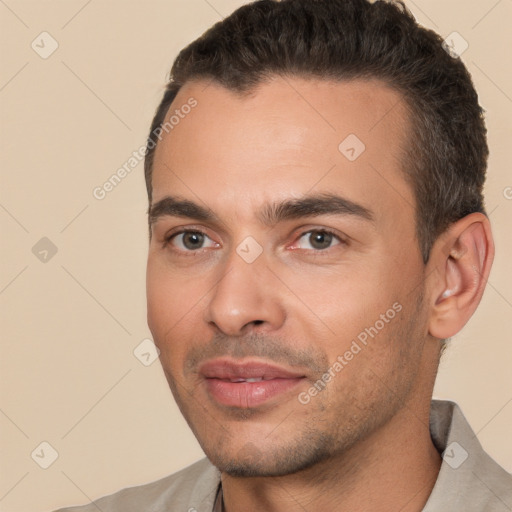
[469, 480]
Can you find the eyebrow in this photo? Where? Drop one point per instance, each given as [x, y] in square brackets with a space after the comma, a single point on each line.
[270, 214]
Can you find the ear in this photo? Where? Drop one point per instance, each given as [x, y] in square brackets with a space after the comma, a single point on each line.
[460, 264]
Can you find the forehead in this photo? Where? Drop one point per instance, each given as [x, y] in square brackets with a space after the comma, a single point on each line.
[285, 138]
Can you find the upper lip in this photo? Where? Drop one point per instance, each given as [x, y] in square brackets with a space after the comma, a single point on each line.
[228, 369]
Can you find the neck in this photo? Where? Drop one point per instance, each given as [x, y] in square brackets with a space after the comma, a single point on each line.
[393, 469]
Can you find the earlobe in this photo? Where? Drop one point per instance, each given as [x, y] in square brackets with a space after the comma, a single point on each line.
[463, 257]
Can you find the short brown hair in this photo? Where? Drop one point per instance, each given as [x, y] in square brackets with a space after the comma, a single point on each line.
[446, 157]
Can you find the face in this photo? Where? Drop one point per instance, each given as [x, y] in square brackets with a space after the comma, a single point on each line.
[284, 278]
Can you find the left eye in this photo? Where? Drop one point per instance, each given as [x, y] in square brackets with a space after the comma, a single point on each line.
[318, 239]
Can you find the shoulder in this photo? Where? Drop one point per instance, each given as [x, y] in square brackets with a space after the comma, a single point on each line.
[193, 488]
[469, 479]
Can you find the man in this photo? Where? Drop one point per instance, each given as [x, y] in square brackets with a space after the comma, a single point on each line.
[317, 233]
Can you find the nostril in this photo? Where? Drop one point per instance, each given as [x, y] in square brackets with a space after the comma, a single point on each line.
[257, 322]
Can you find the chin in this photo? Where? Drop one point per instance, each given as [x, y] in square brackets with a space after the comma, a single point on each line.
[251, 461]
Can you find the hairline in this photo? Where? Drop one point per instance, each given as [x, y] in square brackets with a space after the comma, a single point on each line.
[412, 117]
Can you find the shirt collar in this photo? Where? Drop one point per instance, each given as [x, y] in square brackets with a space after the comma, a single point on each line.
[468, 477]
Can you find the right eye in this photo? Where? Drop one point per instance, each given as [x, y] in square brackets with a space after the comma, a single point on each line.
[190, 240]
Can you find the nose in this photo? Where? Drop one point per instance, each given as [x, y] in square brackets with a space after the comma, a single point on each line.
[246, 295]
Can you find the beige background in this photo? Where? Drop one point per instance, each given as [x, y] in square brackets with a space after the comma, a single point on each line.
[70, 325]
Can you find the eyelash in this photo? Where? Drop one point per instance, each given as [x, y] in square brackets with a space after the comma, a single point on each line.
[316, 252]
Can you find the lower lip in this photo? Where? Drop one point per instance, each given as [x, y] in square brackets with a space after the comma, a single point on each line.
[249, 394]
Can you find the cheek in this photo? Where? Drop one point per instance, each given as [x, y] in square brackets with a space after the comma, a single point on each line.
[171, 293]
[160, 300]
[361, 309]
[346, 300]
[173, 306]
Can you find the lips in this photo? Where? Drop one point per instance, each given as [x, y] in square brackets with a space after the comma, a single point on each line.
[247, 384]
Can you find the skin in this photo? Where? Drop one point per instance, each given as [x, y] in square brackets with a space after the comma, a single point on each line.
[363, 442]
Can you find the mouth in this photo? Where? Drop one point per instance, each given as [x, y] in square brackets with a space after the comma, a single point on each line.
[247, 384]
